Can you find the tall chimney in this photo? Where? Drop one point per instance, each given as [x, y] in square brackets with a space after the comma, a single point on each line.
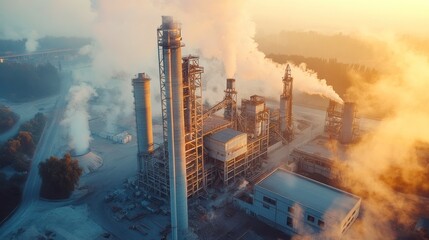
[143, 112]
[172, 59]
[230, 93]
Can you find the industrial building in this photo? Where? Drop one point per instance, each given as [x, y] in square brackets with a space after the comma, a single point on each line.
[199, 149]
[325, 154]
[295, 204]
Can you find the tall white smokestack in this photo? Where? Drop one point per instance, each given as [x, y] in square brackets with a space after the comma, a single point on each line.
[143, 112]
[172, 59]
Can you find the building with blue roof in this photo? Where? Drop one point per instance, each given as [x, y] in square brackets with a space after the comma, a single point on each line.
[296, 204]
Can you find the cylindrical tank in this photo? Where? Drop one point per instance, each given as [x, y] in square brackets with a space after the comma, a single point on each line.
[346, 133]
[143, 112]
[176, 142]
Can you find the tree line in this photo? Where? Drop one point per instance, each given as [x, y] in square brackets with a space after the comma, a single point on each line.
[25, 82]
[337, 74]
[17, 152]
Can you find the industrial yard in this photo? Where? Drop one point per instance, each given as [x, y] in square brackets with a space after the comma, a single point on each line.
[212, 155]
[192, 120]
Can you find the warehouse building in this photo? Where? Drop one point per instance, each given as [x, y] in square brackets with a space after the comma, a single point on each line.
[322, 156]
[295, 204]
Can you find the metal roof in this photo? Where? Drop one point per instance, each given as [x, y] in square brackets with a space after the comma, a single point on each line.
[325, 148]
[309, 193]
[226, 135]
[214, 123]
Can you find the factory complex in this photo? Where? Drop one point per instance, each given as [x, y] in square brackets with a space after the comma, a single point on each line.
[201, 150]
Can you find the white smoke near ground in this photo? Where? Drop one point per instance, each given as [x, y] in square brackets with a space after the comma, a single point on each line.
[32, 44]
[243, 184]
[85, 50]
[76, 117]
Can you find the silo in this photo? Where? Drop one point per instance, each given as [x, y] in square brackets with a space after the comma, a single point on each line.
[143, 113]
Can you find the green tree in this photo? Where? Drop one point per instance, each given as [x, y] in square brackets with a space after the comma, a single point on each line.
[59, 177]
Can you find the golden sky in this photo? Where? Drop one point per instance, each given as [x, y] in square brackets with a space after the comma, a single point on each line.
[403, 16]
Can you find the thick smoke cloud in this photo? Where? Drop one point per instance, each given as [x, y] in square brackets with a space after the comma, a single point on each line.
[124, 34]
[388, 168]
[390, 150]
[76, 117]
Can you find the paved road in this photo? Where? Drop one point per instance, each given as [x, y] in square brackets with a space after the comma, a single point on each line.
[45, 148]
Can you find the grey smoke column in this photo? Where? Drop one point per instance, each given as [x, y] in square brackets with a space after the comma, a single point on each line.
[143, 112]
[170, 41]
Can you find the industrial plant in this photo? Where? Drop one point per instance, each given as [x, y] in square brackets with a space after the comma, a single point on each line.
[201, 150]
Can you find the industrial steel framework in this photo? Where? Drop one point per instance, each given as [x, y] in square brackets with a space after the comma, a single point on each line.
[286, 126]
[333, 119]
[193, 109]
[257, 145]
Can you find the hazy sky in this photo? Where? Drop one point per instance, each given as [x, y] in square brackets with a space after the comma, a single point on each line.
[18, 18]
[411, 16]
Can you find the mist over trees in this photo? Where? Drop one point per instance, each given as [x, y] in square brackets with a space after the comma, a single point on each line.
[7, 118]
[337, 74]
[18, 46]
[59, 177]
[25, 82]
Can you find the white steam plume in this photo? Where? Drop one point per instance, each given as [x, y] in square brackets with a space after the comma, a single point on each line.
[388, 167]
[32, 44]
[76, 117]
[124, 34]
[224, 30]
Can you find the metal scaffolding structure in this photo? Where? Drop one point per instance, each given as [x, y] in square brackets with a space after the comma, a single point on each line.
[333, 119]
[193, 107]
[256, 123]
[336, 116]
[285, 118]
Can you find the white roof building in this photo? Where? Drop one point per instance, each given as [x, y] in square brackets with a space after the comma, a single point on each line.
[296, 204]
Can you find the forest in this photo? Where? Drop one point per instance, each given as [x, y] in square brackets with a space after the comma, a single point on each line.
[21, 82]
